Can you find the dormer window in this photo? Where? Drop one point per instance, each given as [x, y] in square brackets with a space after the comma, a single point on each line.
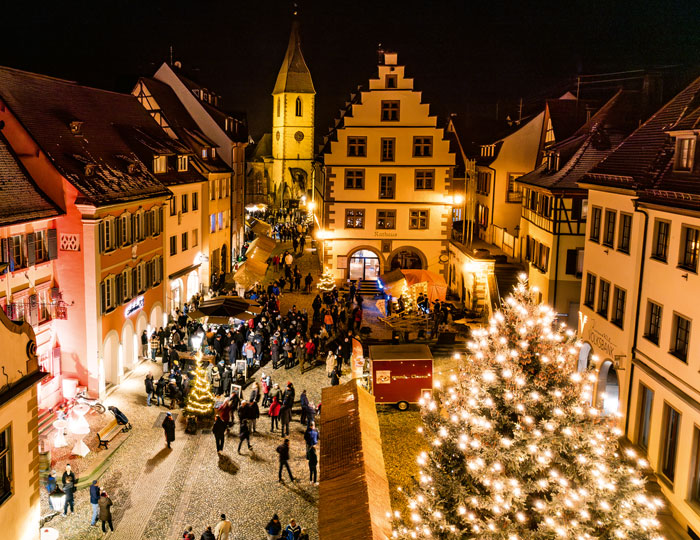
[205, 153]
[160, 164]
[213, 153]
[685, 153]
[553, 161]
[76, 127]
[182, 163]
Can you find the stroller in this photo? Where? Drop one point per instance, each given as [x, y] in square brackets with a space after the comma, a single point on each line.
[121, 418]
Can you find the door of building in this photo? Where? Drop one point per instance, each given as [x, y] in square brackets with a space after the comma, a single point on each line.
[364, 264]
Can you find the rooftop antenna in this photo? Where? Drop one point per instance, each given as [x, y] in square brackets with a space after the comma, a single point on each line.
[171, 55]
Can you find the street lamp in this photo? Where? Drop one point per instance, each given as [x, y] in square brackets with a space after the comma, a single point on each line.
[57, 498]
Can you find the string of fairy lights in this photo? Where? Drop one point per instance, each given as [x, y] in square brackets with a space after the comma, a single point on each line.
[200, 400]
[517, 451]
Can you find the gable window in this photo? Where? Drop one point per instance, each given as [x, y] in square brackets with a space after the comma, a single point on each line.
[390, 111]
[618, 311]
[603, 298]
[609, 231]
[5, 464]
[184, 203]
[357, 146]
[623, 241]
[418, 219]
[182, 163]
[646, 400]
[388, 149]
[652, 329]
[685, 153]
[425, 179]
[596, 214]
[354, 178]
[422, 146]
[661, 235]
[669, 442]
[390, 81]
[680, 337]
[160, 164]
[689, 249]
[589, 297]
[387, 186]
[386, 219]
[354, 218]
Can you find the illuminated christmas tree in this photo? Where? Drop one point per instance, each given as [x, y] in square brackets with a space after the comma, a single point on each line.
[200, 400]
[410, 301]
[516, 450]
[326, 282]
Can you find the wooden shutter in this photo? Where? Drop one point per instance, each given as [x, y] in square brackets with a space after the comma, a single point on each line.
[571, 256]
[101, 234]
[4, 255]
[120, 289]
[31, 250]
[33, 310]
[103, 306]
[52, 243]
[120, 237]
[160, 220]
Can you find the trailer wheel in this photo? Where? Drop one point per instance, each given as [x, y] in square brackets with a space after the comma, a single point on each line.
[402, 405]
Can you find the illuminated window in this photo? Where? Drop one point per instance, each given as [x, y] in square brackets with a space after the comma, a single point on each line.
[212, 223]
[354, 219]
[160, 164]
[182, 163]
[689, 249]
[685, 153]
[386, 219]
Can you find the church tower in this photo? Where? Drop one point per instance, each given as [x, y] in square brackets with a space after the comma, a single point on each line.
[293, 107]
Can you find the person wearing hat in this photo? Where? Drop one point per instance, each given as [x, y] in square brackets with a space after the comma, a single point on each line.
[169, 429]
[273, 528]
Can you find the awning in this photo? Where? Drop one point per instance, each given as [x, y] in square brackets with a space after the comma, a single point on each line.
[221, 308]
[260, 227]
[184, 271]
[252, 271]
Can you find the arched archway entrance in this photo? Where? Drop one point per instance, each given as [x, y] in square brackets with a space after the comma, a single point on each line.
[128, 346]
[364, 264]
[111, 360]
[224, 258]
[608, 390]
[584, 357]
[192, 284]
[141, 325]
[407, 259]
[176, 292]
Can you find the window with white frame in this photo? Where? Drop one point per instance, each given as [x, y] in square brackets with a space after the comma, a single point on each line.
[182, 163]
[685, 153]
[5, 464]
[107, 294]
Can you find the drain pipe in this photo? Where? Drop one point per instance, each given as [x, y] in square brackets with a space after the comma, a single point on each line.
[636, 320]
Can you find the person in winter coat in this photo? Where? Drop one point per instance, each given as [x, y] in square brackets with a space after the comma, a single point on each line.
[273, 528]
[105, 505]
[311, 436]
[283, 454]
[94, 501]
[312, 458]
[330, 363]
[253, 415]
[265, 382]
[160, 390]
[226, 381]
[222, 529]
[335, 378]
[292, 531]
[304, 401]
[275, 353]
[304, 534]
[219, 431]
[255, 392]
[169, 429]
[244, 435]
[208, 535]
[274, 413]
[150, 388]
[69, 490]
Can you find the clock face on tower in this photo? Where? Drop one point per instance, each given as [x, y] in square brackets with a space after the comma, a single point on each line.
[299, 136]
[277, 135]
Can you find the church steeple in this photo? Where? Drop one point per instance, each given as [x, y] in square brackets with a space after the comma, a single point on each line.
[294, 76]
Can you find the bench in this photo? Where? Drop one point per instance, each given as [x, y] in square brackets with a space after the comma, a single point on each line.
[107, 433]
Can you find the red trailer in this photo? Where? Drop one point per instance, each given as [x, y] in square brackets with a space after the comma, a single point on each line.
[401, 374]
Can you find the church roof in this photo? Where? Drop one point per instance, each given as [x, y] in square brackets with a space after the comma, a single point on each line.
[294, 75]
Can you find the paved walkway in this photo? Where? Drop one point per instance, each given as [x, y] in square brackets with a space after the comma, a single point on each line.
[157, 492]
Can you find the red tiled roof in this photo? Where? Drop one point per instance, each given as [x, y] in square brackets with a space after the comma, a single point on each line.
[20, 199]
[111, 124]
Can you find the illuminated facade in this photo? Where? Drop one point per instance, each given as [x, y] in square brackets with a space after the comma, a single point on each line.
[19, 452]
[639, 310]
[387, 170]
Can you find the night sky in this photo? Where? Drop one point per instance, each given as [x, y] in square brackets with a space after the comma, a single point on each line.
[464, 55]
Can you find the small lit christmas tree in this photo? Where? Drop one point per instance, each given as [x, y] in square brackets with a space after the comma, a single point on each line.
[200, 400]
[517, 451]
[410, 301]
[326, 282]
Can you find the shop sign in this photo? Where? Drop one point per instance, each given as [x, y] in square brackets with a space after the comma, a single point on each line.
[135, 305]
